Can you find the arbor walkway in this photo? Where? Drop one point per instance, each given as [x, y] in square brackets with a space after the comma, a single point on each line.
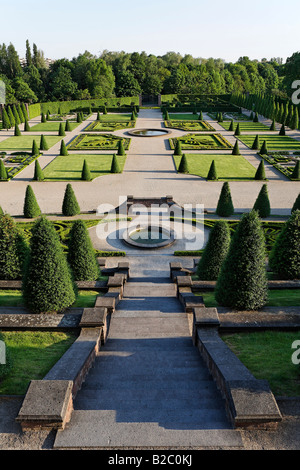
[149, 386]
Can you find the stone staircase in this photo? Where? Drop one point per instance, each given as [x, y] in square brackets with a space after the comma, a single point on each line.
[149, 386]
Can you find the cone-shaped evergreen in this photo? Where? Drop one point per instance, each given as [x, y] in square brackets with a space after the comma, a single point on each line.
[86, 174]
[63, 149]
[183, 165]
[273, 126]
[282, 130]
[17, 132]
[70, 206]
[255, 145]
[296, 205]
[43, 143]
[284, 258]
[68, 127]
[115, 167]
[225, 206]
[242, 283]
[178, 150]
[215, 252]
[121, 150]
[237, 130]
[236, 149]
[35, 150]
[27, 126]
[48, 285]
[262, 203]
[3, 171]
[5, 120]
[38, 172]
[31, 207]
[212, 173]
[260, 172]
[231, 127]
[81, 254]
[296, 172]
[264, 148]
[61, 130]
[13, 249]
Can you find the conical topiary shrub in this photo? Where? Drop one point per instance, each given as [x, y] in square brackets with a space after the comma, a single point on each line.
[35, 150]
[236, 149]
[262, 203]
[296, 172]
[212, 173]
[264, 148]
[38, 172]
[214, 253]
[17, 132]
[63, 149]
[3, 171]
[31, 208]
[48, 286]
[178, 150]
[70, 206]
[225, 206]
[61, 130]
[255, 145]
[183, 165]
[81, 254]
[43, 143]
[260, 172]
[121, 150]
[86, 174]
[296, 205]
[284, 258]
[242, 283]
[115, 167]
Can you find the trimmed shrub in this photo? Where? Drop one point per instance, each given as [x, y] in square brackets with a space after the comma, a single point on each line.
[183, 165]
[255, 145]
[236, 149]
[215, 252]
[178, 150]
[81, 254]
[70, 206]
[43, 143]
[61, 130]
[48, 285]
[31, 208]
[3, 171]
[225, 206]
[242, 283]
[296, 205]
[86, 174]
[296, 172]
[115, 167]
[38, 172]
[121, 150]
[63, 149]
[284, 258]
[13, 249]
[212, 173]
[35, 150]
[17, 132]
[262, 203]
[260, 172]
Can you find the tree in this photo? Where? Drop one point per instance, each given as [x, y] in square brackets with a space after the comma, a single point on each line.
[296, 205]
[38, 172]
[212, 173]
[215, 252]
[183, 165]
[81, 254]
[43, 143]
[35, 150]
[260, 172]
[31, 208]
[242, 283]
[13, 249]
[70, 206]
[63, 149]
[48, 285]
[3, 171]
[86, 174]
[115, 167]
[236, 149]
[178, 150]
[296, 172]
[262, 203]
[121, 150]
[225, 206]
[284, 258]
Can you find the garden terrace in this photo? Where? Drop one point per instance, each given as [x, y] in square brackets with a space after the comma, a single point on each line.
[201, 142]
[97, 142]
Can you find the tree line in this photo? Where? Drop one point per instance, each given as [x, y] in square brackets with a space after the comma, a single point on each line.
[116, 74]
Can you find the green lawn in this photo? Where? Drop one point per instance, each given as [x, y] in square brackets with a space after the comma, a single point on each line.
[274, 142]
[52, 126]
[32, 355]
[228, 167]
[69, 168]
[24, 142]
[246, 126]
[13, 298]
[277, 298]
[267, 354]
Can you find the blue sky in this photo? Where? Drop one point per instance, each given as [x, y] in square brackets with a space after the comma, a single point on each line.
[224, 29]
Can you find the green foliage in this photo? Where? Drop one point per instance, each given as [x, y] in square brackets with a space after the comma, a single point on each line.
[115, 167]
[214, 252]
[284, 258]
[212, 173]
[63, 149]
[70, 206]
[13, 249]
[236, 149]
[86, 174]
[43, 143]
[225, 206]
[262, 203]
[183, 165]
[260, 172]
[3, 171]
[38, 172]
[81, 254]
[242, 283]
[31, 208]
[48, 285]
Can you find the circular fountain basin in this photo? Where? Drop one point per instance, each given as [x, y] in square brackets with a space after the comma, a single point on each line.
[149, 237]
[149, 132]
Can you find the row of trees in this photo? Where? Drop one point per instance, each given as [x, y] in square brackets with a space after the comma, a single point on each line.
[129, 74]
